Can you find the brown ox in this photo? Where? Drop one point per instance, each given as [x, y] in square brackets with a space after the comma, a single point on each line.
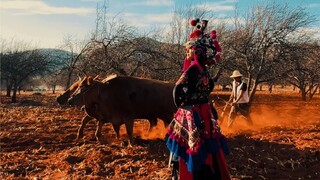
[122, 99]
[63, 100]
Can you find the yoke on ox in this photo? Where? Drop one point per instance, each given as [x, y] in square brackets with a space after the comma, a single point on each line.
[122, 99]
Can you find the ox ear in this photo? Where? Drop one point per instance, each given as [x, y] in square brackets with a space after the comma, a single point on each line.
[89, 80]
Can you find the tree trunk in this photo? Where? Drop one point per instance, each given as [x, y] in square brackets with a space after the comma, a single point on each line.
[53, 89]
[270, 88]
[9, 86]
[252, 93]
[303, 94]
[249, 82]
[14, 95]
[313, 92]
[260, 87]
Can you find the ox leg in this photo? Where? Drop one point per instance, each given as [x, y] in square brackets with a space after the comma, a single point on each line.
[84, 122]
[153, 122]
[167, 119]
[116, 128]
[98, 134]
[129, 128]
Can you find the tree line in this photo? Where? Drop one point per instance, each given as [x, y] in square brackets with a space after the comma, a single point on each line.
[268, 44]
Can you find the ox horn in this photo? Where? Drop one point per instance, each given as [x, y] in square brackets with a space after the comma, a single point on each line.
[79, 76]
[95, 78]
[89, 80]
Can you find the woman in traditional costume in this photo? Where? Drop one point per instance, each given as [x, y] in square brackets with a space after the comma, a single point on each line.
[195, 141]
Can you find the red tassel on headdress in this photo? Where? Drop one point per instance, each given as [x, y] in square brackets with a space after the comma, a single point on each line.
[217, 57]
[192, 35]
[193, 22]
[197, 33]
[217, 45]
[213, 34]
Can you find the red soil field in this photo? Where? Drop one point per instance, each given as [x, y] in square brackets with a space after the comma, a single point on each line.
[38, 141]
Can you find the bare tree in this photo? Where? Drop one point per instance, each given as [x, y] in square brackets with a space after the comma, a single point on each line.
[110, 52]
[117, 48]
[77, 49]
[52, 80]
[19, 66]
[10, 47]
[258, 43]
[306, 65]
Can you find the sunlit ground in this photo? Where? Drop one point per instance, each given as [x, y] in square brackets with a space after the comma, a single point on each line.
[40, 141]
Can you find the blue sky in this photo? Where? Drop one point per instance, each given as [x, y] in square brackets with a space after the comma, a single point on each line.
[46, 22]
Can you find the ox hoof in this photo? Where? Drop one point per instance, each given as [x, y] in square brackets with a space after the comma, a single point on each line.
[126, 143]
[130, 143]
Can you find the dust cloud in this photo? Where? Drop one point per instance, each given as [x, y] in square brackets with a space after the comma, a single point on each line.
[263, 115]
[279, 115]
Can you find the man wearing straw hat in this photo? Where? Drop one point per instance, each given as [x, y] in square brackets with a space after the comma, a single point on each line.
[239, 99]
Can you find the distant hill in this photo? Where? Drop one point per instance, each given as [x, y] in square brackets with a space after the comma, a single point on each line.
[58, 56]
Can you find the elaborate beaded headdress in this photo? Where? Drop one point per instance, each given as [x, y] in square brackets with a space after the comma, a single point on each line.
[200, 38]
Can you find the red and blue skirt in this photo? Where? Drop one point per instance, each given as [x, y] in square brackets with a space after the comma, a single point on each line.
[196, 140]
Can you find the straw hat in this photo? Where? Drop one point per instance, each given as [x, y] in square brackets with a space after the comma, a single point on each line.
[236, 73]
